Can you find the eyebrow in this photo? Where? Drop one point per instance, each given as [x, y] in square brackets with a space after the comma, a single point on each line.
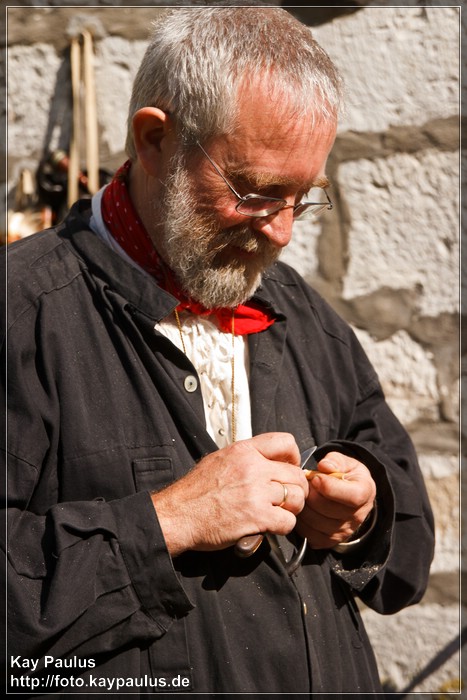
[262, 180]
[322, 181]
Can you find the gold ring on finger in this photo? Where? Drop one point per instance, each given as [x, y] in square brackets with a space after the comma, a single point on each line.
[285, 495]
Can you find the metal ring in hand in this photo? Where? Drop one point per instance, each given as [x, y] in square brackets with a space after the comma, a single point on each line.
[285, 495]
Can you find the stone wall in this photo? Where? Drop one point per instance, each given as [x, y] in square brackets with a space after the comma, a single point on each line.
[390, 263]
[387, 257]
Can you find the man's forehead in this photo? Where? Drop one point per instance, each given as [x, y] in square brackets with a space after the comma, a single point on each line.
[278, 152]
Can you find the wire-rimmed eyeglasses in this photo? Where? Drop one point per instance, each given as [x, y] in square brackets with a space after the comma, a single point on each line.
[257, 205]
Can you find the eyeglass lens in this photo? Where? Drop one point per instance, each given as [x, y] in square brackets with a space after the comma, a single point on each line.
[257, 206]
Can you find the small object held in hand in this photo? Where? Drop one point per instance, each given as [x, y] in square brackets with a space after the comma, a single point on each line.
[248, 545]
[310, 473]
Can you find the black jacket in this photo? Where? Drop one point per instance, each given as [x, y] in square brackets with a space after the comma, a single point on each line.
[98, 417]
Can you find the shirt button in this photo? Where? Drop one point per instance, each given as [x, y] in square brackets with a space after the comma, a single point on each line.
[190, 383]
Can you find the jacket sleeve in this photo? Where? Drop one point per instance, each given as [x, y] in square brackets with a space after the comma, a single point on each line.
[82, 575]
[391, 568]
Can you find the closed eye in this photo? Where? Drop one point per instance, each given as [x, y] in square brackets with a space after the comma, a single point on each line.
[244, 186]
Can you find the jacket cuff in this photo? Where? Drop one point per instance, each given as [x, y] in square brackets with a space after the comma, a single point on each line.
[148, 561]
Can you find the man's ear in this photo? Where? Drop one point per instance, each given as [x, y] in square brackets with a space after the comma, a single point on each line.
[154, 135]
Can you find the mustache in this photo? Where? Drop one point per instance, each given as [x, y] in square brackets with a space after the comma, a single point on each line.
[242, 237]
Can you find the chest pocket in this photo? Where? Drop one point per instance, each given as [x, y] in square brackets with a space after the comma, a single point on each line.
[152, 473]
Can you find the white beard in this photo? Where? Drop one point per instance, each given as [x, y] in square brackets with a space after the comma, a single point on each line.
[201, 254]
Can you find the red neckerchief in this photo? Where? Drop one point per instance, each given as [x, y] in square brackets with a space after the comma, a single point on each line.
[122, 221]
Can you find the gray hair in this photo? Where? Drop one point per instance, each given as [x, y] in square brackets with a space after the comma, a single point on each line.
[198, 58]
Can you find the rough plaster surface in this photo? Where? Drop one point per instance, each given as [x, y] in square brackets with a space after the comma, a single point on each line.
[444, 494]
[302, 253]
[409, 47]
[436, 465]
[406, 642]
[407, 375]
[117, 61]
[31, 73]
[404, 229]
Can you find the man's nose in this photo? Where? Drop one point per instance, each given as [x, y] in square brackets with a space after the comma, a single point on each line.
[276, 227]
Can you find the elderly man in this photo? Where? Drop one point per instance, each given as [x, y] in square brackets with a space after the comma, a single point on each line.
[167, 379]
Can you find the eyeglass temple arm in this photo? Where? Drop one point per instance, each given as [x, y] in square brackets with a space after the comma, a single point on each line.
[219, 172]
[329, 204]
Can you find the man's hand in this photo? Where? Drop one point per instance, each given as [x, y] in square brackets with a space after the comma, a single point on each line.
[234, 492]
[335, 508]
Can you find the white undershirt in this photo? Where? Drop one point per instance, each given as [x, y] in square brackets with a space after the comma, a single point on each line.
[209, 350]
